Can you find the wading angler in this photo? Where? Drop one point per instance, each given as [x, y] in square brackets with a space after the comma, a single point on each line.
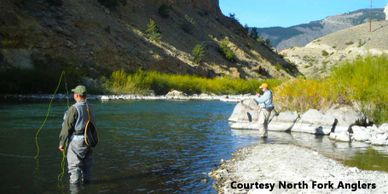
[79, 134]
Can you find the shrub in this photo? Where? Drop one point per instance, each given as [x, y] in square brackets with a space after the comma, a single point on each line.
[142, 82]
[364, 81]
[225, 50]
[325, 53]
[152, 32]
[198, 52]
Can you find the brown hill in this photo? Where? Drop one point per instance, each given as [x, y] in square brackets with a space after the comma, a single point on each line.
[318, 57]
[99, 36]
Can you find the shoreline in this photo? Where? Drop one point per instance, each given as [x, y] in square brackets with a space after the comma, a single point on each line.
[105, 98]
[279, 163]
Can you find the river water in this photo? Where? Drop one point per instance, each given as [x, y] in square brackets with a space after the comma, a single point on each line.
[145, 147]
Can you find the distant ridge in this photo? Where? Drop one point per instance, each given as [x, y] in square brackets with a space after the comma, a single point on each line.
[317, 58]
[299, 35]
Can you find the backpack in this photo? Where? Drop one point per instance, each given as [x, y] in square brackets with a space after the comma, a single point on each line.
[90, 134]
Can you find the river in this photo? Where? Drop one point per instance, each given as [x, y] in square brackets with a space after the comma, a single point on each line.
[145, 146]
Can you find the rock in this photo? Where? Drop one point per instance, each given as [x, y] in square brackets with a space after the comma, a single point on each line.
[346, 116]
[283, 122]
[174, 94]
[343, 136]
[245, 125]
[360, 133]
[379, 140]
[245, 111]
[314, 122]
[383, 128]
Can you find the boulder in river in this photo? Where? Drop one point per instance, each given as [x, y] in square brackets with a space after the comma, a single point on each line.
[379, 139]
[384, 127]
[315, 122]
[361, 133]
[346, 116]
[341, 136]
[246, 112]
[283, 122]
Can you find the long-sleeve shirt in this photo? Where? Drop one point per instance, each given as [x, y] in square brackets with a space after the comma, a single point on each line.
[265, 100]
[68, 124]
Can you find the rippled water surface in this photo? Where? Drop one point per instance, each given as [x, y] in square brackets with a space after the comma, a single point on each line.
[146, 146]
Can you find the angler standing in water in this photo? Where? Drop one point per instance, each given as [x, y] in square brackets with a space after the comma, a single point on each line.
[79, 152]
[265, 103]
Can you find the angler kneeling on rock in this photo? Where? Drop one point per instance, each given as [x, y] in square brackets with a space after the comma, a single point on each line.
[79, 131]
[265, 102]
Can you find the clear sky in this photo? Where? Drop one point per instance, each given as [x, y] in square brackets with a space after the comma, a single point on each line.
[268, 13]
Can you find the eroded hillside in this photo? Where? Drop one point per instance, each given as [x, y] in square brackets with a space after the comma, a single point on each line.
[99, 36]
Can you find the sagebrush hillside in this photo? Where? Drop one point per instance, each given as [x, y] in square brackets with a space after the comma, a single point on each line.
[300, 35]
[95, 37]
[318, 57]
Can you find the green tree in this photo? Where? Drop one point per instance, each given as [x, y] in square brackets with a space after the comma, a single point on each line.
[225, 50]
[198, 52]
[152, 32]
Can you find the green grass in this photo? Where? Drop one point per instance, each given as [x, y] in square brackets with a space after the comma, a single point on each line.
[142, 82]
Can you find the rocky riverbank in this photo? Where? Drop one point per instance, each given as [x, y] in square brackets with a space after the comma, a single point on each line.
[172, 95]
[341, 122]
[272, 164]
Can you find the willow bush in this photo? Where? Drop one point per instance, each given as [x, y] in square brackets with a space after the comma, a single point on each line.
[363, 81]
[142, 82]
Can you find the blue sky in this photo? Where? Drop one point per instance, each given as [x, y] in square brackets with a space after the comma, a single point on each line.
[266, 13]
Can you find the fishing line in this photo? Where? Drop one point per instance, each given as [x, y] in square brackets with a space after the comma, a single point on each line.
[62, 172]
[36, 157]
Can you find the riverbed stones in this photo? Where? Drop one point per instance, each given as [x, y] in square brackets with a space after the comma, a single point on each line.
[291, 164]
[283, 122]
[175, 94]
[315, 122]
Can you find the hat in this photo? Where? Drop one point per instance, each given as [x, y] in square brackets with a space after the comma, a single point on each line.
[80, 89]
[264, 85]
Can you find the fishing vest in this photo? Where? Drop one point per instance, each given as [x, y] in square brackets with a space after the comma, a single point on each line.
[82, 117]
